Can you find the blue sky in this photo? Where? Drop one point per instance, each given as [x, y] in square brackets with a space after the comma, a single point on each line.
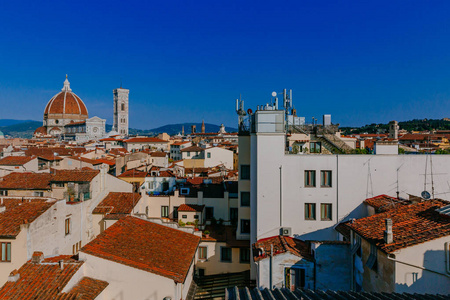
[185, 61]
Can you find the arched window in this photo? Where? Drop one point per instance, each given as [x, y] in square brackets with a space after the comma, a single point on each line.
[122, 106]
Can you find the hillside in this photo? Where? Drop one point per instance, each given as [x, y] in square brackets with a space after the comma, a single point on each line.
[412, 125]
[25, 129]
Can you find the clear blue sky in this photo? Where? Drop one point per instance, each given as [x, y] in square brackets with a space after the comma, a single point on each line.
[185, 61]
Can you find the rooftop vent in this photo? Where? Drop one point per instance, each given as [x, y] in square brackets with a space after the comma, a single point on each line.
[37, 257]
[14, 276]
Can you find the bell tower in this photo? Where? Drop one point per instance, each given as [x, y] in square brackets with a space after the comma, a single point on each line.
[120, 123]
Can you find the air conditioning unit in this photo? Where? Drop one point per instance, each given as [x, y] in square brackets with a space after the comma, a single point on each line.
[285, 231]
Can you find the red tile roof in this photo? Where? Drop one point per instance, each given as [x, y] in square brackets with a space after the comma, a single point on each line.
[180, 143]
[133, 173]
[50, 157]
[191, 207]
[383, 203]
[411, 225]
[281, 244]
[105, 161]
[117, 203]
[86, 160]
[26, 181]
[156, 248]
[145, 140]
[158, 154]
[192, 149]
[87, 289]
[42, 281]
[62, 151]
[15, 160]
[16, 215]
[83, 175]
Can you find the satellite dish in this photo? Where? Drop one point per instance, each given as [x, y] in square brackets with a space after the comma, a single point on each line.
[274, 94]
[249, 111]
[425, 195]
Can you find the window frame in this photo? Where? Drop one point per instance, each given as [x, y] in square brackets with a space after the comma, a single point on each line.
[328, 211]
[326, 175]
[222, 248]
[242, 227]
[309, 211]
[67, 226]
[241, 202]
[164, 214]
[310, 178]
[205, 249]
[242, 173]
[242, 261]
[8, 252]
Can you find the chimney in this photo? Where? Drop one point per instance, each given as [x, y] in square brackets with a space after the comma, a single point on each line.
[37, 257]
[14, 276]
[388, 235]
[61, 264]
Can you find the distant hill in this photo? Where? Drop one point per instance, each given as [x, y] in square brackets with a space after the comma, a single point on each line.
[412, 125]
[25, 129]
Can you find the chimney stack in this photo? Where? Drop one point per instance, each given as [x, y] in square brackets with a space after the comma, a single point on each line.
[14, 276]
[61, 264]
[37, 257]
[388, 235]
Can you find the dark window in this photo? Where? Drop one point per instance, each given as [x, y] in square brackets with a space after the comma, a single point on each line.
[315, 147]
[245, 198]
[233, 213]
[310, 178]
[122, 106]
[184, 216]
[3, 193]
[6, 251]
[164, 211]
[372, 260]
[325, 212]
[244, 255]
[310, 211]
[225, 254]
[196, 216]
[245, 172]
[208, 155]
[202, 252]
[325, 178]
[67, 226]
[245, 226]
[209, 212]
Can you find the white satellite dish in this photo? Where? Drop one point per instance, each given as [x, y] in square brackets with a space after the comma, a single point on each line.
[425, 195]
[274, 94]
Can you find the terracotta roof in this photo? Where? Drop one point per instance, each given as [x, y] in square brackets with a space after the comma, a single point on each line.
[225, 234]
[117, 203]
[87, 288]
[43, 280]
[411, 225]
[180, 143]
[191, 207]
[26, 181]
[192, 149]
[41, 130]
[156, 248]
[66, 102]
[61, 151]
[50, 157]
[343, 229]
[86, 160]
[383, 203]
[158, 154]
[106, 161]
[15, 160]
[83, 175]
[27, 212]
[281, 244]
[133, 173]
[72, 123]
[10, 202]
[145, 140]
[109, 140]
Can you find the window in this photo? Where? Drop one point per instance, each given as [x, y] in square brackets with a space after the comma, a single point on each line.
[372, 260]
[202, 252]
[184, 216]
[38, 194]
[196, 217]
[233, 213]
[245, 172]
[245, 198]
[310, 211]
[325, 178]
[3, 193]
[209, 212]
[208, 155]
[325, 212]
[244, 255]
[310, 178]
[67, 226]
[315, 147]
[245, 226]
[59, 184]
[225, 254]
[6, 252]
[164, 211]
[175, 212]
[122, 106]
[188, 154]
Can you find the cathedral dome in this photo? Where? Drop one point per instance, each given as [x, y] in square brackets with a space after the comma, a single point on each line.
[66, 103]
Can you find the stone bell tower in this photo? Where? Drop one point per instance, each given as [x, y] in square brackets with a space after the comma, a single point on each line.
[120, 123]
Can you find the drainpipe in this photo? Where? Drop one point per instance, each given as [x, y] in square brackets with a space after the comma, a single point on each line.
[281, 196]
[271, 266]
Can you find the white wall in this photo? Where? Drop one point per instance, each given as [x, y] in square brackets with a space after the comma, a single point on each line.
[217, 157]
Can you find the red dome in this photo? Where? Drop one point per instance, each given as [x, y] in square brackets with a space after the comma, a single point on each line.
[66, 102]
